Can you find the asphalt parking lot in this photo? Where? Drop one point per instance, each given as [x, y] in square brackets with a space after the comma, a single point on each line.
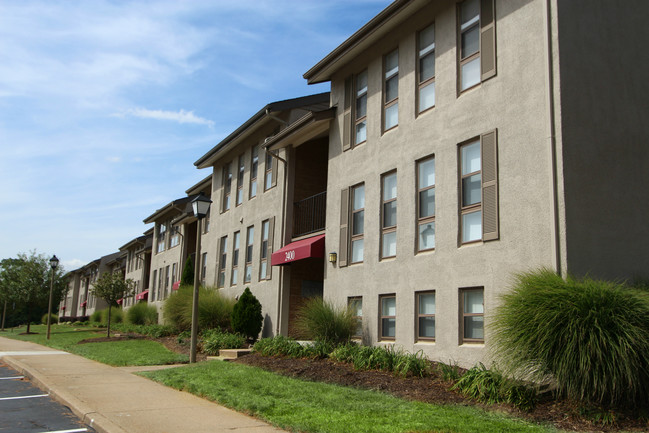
[24, 408]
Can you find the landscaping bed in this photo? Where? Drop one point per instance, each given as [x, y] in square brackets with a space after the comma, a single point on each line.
[563, 414]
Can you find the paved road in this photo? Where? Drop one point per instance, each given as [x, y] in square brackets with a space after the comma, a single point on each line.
[24, 408]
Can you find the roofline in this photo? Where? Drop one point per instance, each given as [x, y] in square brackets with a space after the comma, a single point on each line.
[199, 185]
[322, 70]
[169, 206]
[204, 161]
[308, 119]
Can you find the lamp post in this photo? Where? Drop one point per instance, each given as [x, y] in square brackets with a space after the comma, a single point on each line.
[54, 263]
[200, 206]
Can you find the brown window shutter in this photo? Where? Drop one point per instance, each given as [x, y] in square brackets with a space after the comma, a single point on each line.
[344, 223]
[489, 146]
[487, 39]
[347, 114]
[273, 180]
[269, 253]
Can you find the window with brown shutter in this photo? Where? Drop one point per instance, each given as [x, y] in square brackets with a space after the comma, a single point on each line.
[347, 113]
[343, 245]
[476, 42]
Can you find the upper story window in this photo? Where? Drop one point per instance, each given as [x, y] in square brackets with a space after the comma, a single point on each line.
[227, 185]
[254, 165]
[391, 90]
[266, 248]
[358, 223]
[250, 233]
[360, 111]
[426, 204]
[206, 221]
[270, 175]
[223, 255]
[471, 195]
[389, 215]
[161, 237]
[426, 68]
[240, 173]
[477, 42]
[174, 239]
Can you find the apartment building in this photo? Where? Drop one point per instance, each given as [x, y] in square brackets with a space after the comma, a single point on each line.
[252, 209]
[475, 139]
[137, 254]
[68, 307]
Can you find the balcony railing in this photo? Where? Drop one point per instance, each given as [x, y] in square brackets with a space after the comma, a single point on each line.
[309, 214]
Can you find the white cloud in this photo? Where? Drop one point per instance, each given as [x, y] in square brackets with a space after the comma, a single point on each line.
[180, 116]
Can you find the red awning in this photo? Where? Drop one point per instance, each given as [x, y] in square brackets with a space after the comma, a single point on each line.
[143, 295]
[119, 301]
[298, 250]
[63, 307]
[176, 285]
[84, 303]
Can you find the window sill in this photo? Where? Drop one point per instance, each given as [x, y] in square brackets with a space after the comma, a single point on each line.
[426, 342]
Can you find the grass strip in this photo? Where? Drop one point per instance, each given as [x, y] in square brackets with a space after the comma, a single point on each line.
[297, 405]
[117, 353]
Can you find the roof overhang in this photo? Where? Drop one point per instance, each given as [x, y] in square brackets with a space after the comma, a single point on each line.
[309, 126]
[176, 205]
[200, 186]
[366, 36]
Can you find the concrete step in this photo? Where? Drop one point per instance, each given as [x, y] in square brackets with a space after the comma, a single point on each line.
[227, 354]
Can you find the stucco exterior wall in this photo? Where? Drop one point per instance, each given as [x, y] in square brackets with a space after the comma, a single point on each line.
[514, 103]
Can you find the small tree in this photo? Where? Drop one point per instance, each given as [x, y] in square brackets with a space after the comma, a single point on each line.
[246, 316]
[187, 278]
[110, 287]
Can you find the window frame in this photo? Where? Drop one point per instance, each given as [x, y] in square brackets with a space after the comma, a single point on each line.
[236, 243]
[263, 252]
[474, 56]
[427, 219]
[356, 97]
[387, 229]
[358, 333]
[250, 235]
[174, 272]
[419, 315]
[203, 266]
[174, 239]
[356, 237]
[463, 315]
[161, 238]
[227, 187]
[241, 171]
[223, 258]
[268, 172]
[387, 104]
[473, 207]
[254, 169]
[382, 317]
[430, 80]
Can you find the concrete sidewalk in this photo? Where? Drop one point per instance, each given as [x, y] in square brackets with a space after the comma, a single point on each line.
[113, 400]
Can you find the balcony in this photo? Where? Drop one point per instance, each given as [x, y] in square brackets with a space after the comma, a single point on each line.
[309, 215]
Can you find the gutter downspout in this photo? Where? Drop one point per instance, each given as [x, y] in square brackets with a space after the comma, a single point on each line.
[283, 234]
[549, 82]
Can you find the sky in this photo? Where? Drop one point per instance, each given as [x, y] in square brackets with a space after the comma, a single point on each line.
[106, 105]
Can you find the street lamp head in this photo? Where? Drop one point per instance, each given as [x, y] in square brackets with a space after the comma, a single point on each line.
[54, 262]
[201, 205]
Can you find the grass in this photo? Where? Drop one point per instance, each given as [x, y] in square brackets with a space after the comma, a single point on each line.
[302, 406]
[116, 353]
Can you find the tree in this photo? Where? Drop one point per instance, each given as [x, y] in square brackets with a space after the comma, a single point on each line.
[187, 278]
[25, 281]
[246, 315]
[110, 287]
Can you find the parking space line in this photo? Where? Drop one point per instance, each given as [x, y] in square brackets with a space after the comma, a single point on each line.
[23, 397]
[76, 430]
[12, 377]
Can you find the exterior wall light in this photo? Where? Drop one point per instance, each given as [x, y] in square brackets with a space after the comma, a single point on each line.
[333, 257]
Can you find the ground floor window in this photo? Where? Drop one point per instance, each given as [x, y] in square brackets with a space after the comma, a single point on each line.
[356, 305]
[472, 308]
[388, 308]
[426, 316]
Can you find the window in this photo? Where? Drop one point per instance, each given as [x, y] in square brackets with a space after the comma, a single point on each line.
[426, 316]
[227, 185]
[240, 173]
[223, 255]
[266, 251]
[155, 280]
[479, 189]
[270, 176]
[356, 305]
[160, 285]
[389, 215]
[162, 231]
[472, 308]
[174, 240]
[250, 232]
[174, 273]
[167, 275]
[477, 42]
[360, 112]
[391, 90]
[426, 68]
[426, 204]
[235, 258]
[203, 266]
[254, 165]
[357, 219]
[388, 316]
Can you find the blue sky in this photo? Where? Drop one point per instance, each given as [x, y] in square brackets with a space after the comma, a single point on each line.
[105, 105]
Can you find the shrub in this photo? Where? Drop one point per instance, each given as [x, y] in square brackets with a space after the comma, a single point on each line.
[154, 330]
[591, 336]
[142, 314]
[382, 358]
[215, 340]
[322, 321]
[116, 316]
[95, 317]
[53, 319]
[246, 315]
[449, 372]
[214, 309]
[187, 277]
[278, 346]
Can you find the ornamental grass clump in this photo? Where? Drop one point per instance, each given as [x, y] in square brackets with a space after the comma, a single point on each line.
[142, 314]
[214, 340]
[323, 321]
[590, 337]
[214, 309]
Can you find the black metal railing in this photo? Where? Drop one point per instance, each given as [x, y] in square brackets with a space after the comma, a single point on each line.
[309, 214]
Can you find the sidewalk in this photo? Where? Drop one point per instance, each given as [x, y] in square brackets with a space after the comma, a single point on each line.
[113, 400]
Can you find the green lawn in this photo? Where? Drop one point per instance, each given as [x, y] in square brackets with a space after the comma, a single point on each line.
[117, 353]
[316, 407]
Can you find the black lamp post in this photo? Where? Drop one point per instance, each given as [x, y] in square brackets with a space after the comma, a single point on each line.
[200, 206]
[54, 263]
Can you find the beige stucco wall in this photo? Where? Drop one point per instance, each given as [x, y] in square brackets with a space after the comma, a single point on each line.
[159, 262]
[514, 103]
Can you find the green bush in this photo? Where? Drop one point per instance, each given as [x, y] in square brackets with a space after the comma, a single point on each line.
[153, 331]
[246, 315]
[116, 316]
[214, 309]
[53, 319]
[449, 372]
[278, 346]
[322, 321]
[214, 340]
[591, 337]
[142, 313]
[490, 386]
[382, 358]
[95, 317]
[187, 277]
